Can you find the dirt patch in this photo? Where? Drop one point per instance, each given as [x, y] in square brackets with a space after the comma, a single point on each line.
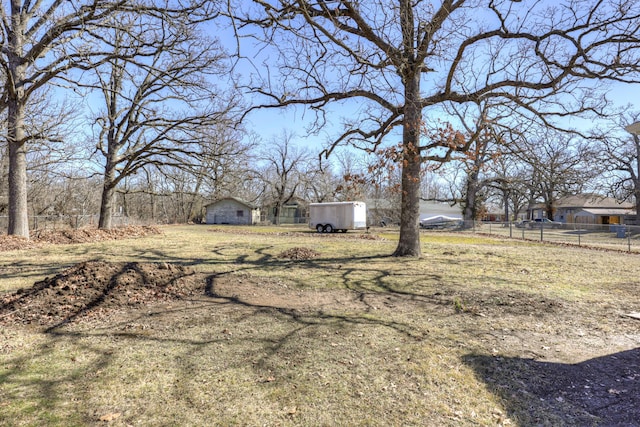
[95, 289]
[69, 236]
[299, 254]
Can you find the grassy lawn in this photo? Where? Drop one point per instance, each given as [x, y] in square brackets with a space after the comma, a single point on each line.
[476, 332]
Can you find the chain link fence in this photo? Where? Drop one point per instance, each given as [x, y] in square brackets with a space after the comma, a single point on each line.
[620, 237]
[64, 222]
[611, 236]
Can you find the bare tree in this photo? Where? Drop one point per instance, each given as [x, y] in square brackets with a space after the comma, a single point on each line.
[620, 156]
[41, 42]
[491, 161]
[509, 185]
[157, 101]
[225, 165]
[320, 185]
[285, 165]
[37, 46]
[404, 58]
[485, 141]
[559, 165]
[52, 159]
[221, 168]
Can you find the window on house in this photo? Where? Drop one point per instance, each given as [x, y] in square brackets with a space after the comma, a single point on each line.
[239, 214]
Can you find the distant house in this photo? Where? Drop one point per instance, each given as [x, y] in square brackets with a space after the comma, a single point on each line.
[587, 209]
[232, 211]
[292, 212]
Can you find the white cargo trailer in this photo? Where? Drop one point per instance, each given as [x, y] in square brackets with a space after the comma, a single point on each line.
[337, 216]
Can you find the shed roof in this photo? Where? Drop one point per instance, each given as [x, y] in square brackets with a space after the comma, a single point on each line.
[235, 199]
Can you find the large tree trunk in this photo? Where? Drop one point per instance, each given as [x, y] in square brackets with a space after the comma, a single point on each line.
[108, 198]
[409, 243]
[18, 211]
[550, 210]
[276, 213]
[470, 199]
[106, 208]
[4, 179]
[505, 202]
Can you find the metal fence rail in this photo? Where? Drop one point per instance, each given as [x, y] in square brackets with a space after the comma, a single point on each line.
[610, 236]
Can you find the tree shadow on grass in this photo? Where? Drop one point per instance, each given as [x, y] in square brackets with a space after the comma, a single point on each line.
[604, 391]
[288, 329]
[314, 315]
[35, 391]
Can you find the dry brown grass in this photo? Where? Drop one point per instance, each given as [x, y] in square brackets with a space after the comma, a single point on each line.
[474, 333]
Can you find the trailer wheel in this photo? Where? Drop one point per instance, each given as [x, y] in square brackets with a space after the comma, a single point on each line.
[328, 228]
[319, 228]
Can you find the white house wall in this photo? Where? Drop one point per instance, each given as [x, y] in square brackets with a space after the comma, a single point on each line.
[226, 212]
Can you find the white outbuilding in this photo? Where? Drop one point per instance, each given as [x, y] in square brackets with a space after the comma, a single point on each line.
[231, 210]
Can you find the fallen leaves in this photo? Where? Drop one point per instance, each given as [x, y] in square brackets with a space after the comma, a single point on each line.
[68, 236]
[299, 254]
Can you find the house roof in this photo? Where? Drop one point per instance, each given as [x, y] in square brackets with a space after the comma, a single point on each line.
[633, 128]
[605, 211]
[590, 201]
[295, 201]
[235, 199]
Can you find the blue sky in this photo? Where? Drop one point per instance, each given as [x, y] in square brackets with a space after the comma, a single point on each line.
[272, 122]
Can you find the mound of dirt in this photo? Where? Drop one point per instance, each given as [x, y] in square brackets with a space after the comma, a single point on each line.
[88, 235]
[93, 289]
[299, 254]
[68, 236]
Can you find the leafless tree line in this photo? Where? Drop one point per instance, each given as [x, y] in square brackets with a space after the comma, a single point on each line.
[410, 61]
[474, 95]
